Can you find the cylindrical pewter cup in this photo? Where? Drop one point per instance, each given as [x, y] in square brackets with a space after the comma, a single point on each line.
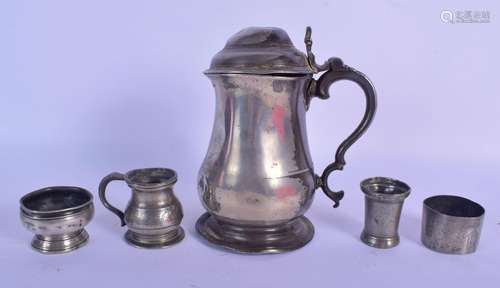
[57, 216]
[384, 199]
[451, 224]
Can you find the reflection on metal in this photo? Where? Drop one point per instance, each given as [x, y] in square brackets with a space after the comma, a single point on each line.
[153, 215]
[257, 179]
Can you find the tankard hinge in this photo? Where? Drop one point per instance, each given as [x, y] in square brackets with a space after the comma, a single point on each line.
[317, 181]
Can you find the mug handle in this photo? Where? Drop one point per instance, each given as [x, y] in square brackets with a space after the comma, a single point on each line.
[102, 194]
[336, 70]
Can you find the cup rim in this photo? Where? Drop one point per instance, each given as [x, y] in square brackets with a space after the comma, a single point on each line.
[478, 212]
[170, 177]
[52, 189]
[403, 189]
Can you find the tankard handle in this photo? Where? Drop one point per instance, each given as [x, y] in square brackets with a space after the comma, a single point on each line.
[336, 70]
[102, 194]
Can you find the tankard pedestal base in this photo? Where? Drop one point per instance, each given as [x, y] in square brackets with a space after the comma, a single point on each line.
[250, 239]
[154, 241]
[60, 243]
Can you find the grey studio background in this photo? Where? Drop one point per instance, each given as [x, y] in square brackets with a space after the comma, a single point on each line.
[91, 87]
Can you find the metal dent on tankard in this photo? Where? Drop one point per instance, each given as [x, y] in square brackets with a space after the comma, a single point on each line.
[257, 179]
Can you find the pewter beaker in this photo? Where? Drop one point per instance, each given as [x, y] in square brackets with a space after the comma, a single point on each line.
[153, 215]
[384, 199]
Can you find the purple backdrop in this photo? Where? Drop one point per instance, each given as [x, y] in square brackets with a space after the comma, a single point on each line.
[90, 87]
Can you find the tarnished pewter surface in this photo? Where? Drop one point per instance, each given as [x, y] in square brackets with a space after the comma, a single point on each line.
[60, 243]
[155, 241]
[258, 171]
[263, 240]
[384, 199]
[153, 215]
[260, 50]
[57, 216]
[451, 224]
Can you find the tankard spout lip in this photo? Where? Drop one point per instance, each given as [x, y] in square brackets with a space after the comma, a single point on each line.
[151, 178]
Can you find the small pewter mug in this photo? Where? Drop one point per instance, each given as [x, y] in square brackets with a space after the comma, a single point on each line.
[153, 215]
[451, 224]
[57, 215]
[384, 199]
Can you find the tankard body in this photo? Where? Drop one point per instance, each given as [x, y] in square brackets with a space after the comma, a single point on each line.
[257, 179]
[258, 170]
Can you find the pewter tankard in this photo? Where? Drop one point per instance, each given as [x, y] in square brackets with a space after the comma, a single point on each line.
[257, 179]
[153, 215]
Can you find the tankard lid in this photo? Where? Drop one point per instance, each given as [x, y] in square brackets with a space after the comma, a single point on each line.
[260, 50]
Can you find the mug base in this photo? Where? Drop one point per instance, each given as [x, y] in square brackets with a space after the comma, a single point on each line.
[56, 244]
[289, 236]
[379, 242]
[156, 241]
